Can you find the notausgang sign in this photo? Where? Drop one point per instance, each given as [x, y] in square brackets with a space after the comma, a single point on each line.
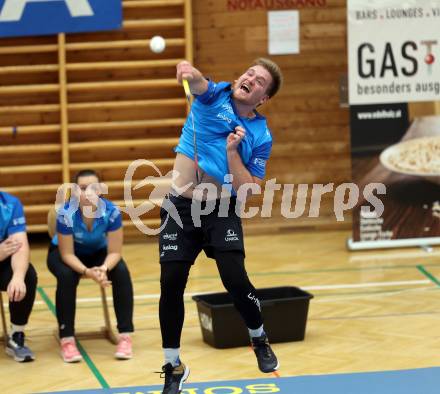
[44, 17]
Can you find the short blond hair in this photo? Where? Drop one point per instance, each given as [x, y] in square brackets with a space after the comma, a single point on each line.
[275, 72]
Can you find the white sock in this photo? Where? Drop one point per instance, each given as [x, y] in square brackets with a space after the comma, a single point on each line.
[67, 339]
[16, 328]
[124, 334]
[172, 356]
[258, 332]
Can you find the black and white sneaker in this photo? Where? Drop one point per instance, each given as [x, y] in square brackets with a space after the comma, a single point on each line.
[267, 361]
[174, 378]
[17, 349]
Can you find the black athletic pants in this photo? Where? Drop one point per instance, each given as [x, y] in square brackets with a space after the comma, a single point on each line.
[67, 282]
[19, 311]
[174, 276]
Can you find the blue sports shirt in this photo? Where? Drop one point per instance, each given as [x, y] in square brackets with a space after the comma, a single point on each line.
[70, 222]
[12, 218]
[215, 117]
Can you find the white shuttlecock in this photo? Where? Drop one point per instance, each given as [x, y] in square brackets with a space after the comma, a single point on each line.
[157, 44]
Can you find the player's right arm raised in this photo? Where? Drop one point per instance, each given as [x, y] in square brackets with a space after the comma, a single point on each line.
[197, 82]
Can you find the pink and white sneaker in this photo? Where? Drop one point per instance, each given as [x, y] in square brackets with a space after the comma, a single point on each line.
[124, 348]
[69, 351]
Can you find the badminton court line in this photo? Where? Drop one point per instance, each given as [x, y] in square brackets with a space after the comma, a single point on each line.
[86, 357]
[307, 288]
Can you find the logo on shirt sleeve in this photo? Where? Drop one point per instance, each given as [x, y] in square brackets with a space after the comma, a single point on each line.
[65, 220]
[260, 162]
[19, 221]
[114, 215]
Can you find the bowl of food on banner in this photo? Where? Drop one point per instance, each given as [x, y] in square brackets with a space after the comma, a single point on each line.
[418, 157]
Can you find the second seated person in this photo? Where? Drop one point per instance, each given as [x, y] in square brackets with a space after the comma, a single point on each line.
[88, 243]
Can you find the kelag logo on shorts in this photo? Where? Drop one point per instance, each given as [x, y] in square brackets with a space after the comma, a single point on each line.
[42, 17]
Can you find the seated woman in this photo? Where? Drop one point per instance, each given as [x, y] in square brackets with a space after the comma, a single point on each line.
[17, 276]
[88, 242]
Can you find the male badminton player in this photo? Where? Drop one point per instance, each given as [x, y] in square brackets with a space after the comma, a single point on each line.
[223, 134]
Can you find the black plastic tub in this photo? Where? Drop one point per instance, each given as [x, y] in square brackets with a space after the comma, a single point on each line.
[285, 311]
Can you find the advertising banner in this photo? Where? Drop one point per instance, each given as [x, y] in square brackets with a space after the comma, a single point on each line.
[44, 17]
[394, 96]
[393, 51]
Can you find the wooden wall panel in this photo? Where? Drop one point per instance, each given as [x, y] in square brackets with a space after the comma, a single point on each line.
[94, 100]
[311, 134]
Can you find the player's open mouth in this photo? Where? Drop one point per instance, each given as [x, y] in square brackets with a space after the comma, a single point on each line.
[245, 87]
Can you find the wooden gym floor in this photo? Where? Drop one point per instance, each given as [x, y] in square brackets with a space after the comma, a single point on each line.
[372, 311]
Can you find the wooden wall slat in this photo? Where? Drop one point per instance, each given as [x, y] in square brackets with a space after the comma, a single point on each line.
[122, 44]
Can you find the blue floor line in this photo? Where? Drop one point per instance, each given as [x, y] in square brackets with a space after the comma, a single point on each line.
[411, 381]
